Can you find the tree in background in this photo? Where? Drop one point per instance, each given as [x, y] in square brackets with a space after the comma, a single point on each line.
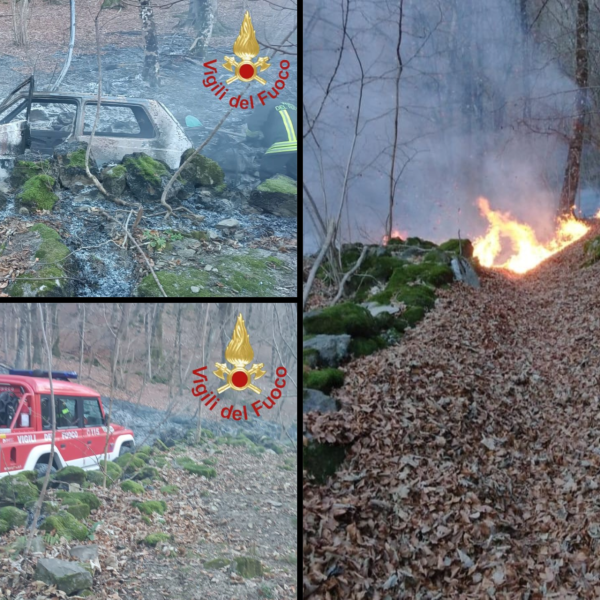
[201, 17]
[151, 65]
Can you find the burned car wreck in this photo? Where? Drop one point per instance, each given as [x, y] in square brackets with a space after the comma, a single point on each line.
[40, 121]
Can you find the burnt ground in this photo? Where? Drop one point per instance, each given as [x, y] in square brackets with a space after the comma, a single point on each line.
[106, 270]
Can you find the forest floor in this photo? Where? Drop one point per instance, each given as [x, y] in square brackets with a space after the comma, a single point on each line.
[249, 509]
[473, 449]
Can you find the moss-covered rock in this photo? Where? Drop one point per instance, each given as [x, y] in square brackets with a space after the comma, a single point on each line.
[160, 461]
[79, 511]
[26, 169]
[30, 476]
[250, 274]
[70, 475]
[155, 538]
[130, 463]
[248, 567]
[132, 486]
[209, 461]
[324, 379]
[201, 171]
[310, 357]
[17, 491]
[71, 498]
[151, 506]
[415, 241]
[322, 460]
[169, 489]
[342, 318]
[147, 177]
[4, 526]
[149, 473]
[464, 247]
[47, 277]
[159, 445]
[65, 525]
[277, 196]
[70, 160]
[216, 563]
[114, 180]
[37, 194]
[201, 470]
[364, 346]
[13, 516]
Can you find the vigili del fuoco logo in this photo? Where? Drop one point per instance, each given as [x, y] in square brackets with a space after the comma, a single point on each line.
[238, 353]
[246, 48]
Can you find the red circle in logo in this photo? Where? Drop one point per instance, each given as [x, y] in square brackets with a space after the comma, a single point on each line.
[247, 71]
[239, 379]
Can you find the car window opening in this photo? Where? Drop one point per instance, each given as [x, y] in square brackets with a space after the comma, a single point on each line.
[120, 121]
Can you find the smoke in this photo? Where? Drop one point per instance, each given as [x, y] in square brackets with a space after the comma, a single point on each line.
[485, 111]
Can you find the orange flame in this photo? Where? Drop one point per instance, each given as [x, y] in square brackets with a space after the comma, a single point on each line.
[527, 251]
[396, 234]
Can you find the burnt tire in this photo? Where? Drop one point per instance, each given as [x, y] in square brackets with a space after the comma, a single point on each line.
[41, 469]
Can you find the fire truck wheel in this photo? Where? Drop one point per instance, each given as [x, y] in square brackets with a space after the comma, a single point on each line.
[41, 469]
[125, 450]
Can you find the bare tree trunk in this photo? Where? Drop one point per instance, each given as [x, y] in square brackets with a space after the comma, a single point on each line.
[202, 15]
[5, 334]
[390, 217]
[36, 338]
[21, 355]
[205, 355]
[55, 331]
[149, 320]
[81, 310]
[157, 333]
[38, 504]
[151, 65]
[113, 370]
[571, 180]
[70, 54]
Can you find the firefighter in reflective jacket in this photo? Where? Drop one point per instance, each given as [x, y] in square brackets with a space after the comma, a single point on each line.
[275, 125]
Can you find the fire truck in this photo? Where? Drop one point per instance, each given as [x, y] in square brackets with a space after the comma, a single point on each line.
[81, 430]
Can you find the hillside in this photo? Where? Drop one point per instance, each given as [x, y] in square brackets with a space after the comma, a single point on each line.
[471, 448]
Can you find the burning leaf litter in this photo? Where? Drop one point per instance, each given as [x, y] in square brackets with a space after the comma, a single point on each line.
[471, 449]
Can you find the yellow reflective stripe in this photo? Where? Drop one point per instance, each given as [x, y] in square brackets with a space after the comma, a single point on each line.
[272, 150]
[282, 146]
[289, 127]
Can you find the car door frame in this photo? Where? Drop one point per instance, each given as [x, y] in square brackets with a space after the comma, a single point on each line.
[15, 137]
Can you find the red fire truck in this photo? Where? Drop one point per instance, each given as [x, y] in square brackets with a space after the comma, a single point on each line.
[26, 424]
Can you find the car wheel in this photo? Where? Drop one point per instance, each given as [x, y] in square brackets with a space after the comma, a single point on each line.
[41, 469]
[125, 450]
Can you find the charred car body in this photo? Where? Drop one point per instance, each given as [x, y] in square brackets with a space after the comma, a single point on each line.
[40, 121]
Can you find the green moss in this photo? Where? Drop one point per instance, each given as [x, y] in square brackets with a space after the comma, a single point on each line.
[216, 563]
[324, 379]
[415, 241]
[17, 491]
[37, 193]
[130, 463]
[208, 434]
[97, 478]
[416, 295]
[4, 526]
[342, 318]
[160, 461]
[133, 487]
[412, 315]
[160, 445]
[176, 284]
[149, 473]
[248, 567]
[76, 159]
[25, 169]
[151, 506]
[70, 475]
[169, 489]
[146, 167]
[155, 538]
[202, 470]
[13, 516]
[65, 525]
[209, 461]
[322, 460]
[30, 476]
[310, 357]
[145, 450]
[201, 170]
[455, 245]
[113, 470]
[76, 497]
[365, 346]
[221, 188]
[79, 511]
[279, 184]
[118, 171]
[146, 520]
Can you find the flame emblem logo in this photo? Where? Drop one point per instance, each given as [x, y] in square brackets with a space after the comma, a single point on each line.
[246, 47]
[239, 353]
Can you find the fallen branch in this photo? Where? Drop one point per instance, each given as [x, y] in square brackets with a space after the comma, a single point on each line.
[126, 224]
[160, 287]
[349, 274]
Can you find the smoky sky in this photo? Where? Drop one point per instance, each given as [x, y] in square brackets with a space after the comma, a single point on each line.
[484, 112]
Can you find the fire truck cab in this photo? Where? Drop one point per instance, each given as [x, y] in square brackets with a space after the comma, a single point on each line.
[26, 424]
